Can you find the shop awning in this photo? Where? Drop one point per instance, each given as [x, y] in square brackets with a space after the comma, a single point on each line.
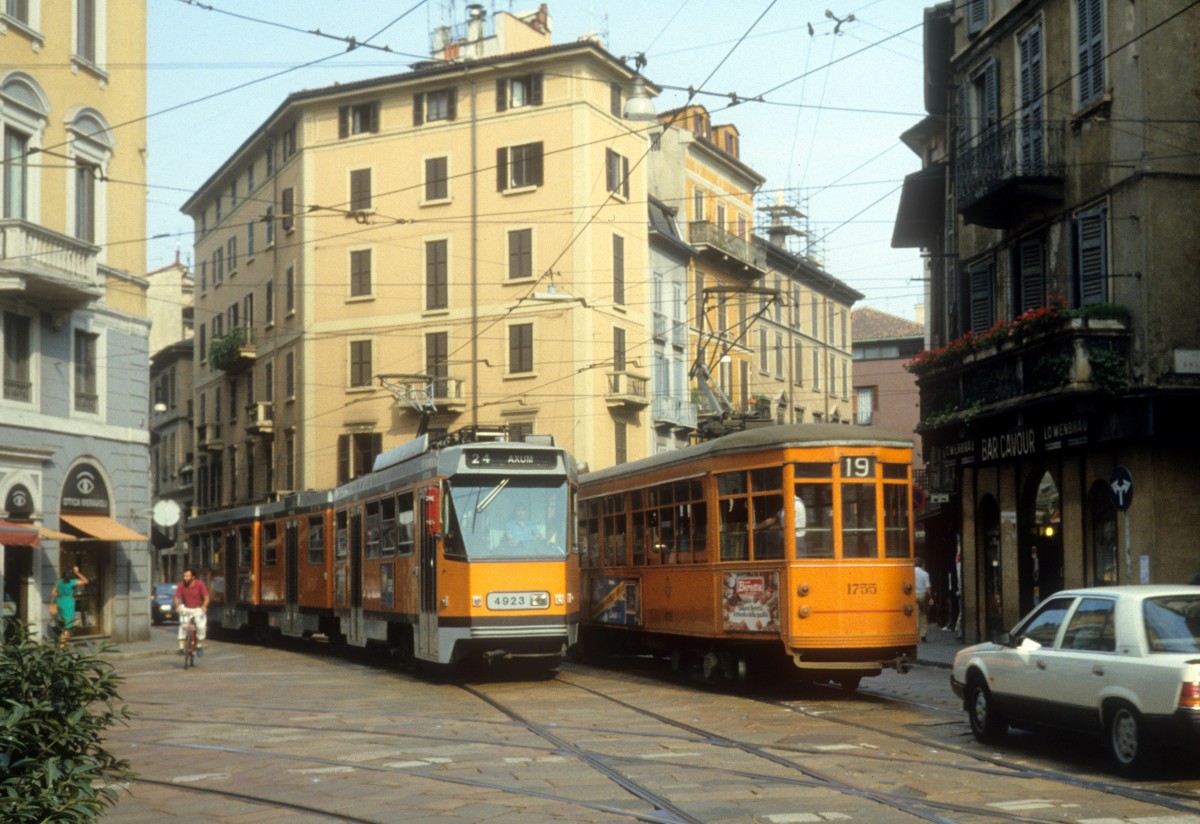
[54, 535]
[14, 534]
[101, 528]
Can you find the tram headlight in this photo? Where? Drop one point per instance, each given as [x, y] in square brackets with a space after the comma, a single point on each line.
[559, 600]
[804, 612]
[476, 600]
[445, 600]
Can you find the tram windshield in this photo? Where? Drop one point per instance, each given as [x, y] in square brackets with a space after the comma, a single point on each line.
[503, 518]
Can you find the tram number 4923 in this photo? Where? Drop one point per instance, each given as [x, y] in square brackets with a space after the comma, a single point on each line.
[518, 600]
[861, 589]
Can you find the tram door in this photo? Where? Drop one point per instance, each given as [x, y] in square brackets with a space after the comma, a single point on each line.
[291, 554]
[355, 631]
[427, 619]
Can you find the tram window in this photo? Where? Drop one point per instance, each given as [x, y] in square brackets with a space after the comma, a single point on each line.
[614, 531]
[387, 528]
[270, 546]
[767, 479]
[731, 483]
[699, 531]
[816, 539]
[316, 540]
[639, 538]
[858, 521]
[404, 524]
[373, 529]
[895, 472]
[895, 520]
[387, 586]
[654, 496]
[245, 545]
[635, 499]
[734, 525]
[812, 470]
[342, 549]
[589, 533]
[768, 527]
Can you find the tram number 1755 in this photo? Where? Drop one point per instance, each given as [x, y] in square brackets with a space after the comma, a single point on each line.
[861, 589]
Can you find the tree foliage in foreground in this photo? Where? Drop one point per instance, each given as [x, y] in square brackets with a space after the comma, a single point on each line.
[55, 705]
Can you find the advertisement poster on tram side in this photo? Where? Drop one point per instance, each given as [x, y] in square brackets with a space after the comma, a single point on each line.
[751, 602]
[617, 601]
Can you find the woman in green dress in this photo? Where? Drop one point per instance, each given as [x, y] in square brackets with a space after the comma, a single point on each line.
[64, 599]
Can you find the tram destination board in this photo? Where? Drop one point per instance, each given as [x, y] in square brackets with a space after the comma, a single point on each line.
[509, 460]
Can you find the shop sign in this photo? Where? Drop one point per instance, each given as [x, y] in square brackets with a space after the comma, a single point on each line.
[84, 492]
[18, 503]
[1011, 444]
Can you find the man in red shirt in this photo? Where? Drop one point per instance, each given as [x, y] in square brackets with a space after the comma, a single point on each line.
[191, 602]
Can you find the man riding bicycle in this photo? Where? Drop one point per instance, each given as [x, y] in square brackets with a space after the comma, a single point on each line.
[191, 602]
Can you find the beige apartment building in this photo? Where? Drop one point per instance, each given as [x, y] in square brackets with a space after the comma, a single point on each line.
[462, 244]
[73, 445]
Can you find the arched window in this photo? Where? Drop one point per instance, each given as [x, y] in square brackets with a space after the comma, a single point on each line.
[23, 111]
[91, 149]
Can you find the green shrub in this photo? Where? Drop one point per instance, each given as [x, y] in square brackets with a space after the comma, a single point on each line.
[55, 705]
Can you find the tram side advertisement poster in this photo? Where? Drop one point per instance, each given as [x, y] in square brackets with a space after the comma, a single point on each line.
[617, 601]
[751, 602]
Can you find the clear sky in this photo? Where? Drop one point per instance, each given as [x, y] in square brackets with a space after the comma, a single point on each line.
[834, 97]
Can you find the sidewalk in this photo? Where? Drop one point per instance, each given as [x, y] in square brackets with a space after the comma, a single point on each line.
[939, 649]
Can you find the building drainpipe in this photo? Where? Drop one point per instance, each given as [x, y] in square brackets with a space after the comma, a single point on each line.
[474, 260]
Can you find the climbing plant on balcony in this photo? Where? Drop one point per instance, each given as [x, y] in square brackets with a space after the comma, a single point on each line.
[223, 351]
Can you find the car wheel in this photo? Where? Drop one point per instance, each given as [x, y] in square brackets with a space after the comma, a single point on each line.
[1127, 744]
[987, 724]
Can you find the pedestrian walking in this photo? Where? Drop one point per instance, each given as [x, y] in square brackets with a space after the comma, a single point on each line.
[924, 597]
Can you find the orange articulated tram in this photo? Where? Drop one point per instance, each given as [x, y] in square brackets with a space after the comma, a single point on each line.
[444, 553]
[735, 555]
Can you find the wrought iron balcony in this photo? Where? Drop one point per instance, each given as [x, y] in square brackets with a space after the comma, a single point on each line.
[677, 412]
[445, 393]
[58, 271]
[1009, 164]
[625, 389]
[1083, 355]
[726, 248]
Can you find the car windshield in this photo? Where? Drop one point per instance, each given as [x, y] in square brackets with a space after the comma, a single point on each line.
[1173, 623]
[503, 518]
[167, 590]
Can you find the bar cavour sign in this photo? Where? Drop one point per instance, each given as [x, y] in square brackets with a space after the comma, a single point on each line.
[1011, 444]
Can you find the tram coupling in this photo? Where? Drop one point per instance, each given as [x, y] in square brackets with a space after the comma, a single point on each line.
[904, 663]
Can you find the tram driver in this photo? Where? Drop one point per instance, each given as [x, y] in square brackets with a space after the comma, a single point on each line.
[798, 514]
[520, 530]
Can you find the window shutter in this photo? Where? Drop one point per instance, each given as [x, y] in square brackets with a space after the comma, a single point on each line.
[964, 114]
[991, 96]
[1030, 46]
[1090, 241]
[343, 121]
[535, 89]
[625, 177]
[1091, 49]
[418, 109]
[373, 126]
[981, 298]
[977, 16]
[451, 103]
[1033, 274]
[535, 163]
[343, 458]
[502, 94]
[501, 169]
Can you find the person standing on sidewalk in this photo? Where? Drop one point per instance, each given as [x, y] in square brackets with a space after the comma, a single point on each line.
[64, 600]
[923, 597]
[191, 602]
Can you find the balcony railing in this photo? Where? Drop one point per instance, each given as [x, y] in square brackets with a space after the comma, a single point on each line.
[1009, 163]
[52, 267]
[625, 389]
[676, 412]
[208, 437]
[727, 246]
[1084, 355]
[446, 394]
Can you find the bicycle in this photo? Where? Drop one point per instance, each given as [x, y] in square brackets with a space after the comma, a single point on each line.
[189, 643]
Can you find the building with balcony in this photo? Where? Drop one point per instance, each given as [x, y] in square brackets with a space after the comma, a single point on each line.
[74, 456]
[1057, 214]
[490, 272]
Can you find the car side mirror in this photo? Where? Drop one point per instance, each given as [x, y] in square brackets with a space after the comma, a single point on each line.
[1002, 638]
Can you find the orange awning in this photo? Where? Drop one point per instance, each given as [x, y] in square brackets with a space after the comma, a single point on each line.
[54, 535]
[101, 527]
[14, 534]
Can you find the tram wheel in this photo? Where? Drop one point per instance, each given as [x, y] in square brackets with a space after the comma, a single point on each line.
[849, 683]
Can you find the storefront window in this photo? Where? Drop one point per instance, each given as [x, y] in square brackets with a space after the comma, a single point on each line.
[89, 600]
[1104, 536]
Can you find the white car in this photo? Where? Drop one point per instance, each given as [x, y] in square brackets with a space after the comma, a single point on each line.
[1121, 661]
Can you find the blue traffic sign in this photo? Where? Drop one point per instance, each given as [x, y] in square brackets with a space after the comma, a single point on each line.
[1120, 489]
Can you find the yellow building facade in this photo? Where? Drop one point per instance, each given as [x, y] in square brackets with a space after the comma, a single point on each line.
[466, 240]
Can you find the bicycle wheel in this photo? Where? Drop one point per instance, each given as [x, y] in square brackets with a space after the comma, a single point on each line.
[189, 647]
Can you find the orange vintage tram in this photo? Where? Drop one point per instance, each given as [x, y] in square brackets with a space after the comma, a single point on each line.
[420, 556]
[787, 541]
